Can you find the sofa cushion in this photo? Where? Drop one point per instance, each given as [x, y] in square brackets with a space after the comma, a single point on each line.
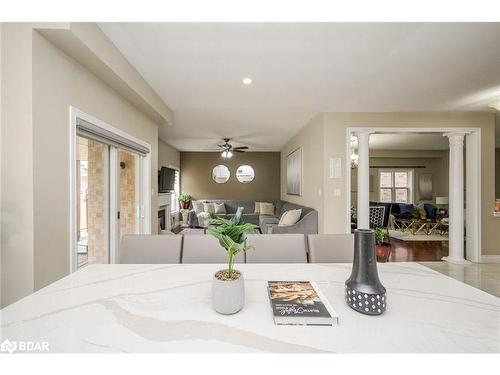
[430, 210]
[287, 206]
[265, 220]
[209, 207]
[290, 217]
[267, 209]
[405, 209]
[421, 211]
[198, 207]
[220, 208]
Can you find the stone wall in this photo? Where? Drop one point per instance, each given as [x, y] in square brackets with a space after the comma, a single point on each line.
[127, 193]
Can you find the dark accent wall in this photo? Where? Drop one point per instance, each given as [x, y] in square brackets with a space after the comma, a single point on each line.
[196, 176]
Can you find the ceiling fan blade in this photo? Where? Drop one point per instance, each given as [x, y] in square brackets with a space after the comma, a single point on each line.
[240, 148]
[222, 146]
[235, 150]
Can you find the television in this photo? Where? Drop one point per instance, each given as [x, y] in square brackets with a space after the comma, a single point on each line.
[166, 180]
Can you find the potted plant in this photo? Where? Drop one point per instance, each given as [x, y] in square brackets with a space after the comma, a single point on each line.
[184, 201]
[382, 248]
[228, 285]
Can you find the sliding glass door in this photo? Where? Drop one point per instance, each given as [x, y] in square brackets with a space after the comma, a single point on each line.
[92, 183]
[109, 199]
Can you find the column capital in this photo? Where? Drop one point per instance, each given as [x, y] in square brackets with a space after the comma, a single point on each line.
[363, 131]
[455, 139]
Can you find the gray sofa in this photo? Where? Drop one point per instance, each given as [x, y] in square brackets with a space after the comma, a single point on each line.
[307, 224]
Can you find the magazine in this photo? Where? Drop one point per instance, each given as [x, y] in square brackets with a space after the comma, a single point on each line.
[300, 303]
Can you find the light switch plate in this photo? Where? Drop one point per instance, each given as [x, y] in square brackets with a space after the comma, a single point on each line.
[335, 167]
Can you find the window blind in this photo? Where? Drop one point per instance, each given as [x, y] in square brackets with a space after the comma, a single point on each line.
[91, 131]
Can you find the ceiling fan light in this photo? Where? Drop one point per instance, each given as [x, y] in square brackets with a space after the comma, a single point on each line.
[224, 154]
[229, 154]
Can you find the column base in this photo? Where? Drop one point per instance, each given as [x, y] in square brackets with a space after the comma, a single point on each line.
[456, 261]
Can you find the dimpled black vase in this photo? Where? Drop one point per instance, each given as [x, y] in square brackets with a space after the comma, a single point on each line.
[363, 290]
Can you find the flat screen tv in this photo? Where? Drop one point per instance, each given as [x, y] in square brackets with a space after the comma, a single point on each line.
[166, 180]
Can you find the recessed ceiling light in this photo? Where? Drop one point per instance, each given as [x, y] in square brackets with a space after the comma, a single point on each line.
[247, 81]
[495, 104]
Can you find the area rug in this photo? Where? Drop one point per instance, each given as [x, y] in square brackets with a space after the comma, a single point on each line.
[407, 236]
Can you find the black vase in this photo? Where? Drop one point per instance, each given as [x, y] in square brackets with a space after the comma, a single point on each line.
[363, 290]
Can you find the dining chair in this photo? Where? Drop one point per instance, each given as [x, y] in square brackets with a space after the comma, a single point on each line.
[206, 249]
[150, 249]
[330, 248]
[276, 248]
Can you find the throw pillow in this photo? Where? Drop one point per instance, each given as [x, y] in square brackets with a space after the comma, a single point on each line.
[209, 208]
[198, 207]
[257, 207]
[267, 209]
[421, 211]
[405, 209]
[290, 217]
[220, 208]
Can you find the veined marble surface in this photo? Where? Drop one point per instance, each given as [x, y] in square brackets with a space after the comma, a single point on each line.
[166, 308]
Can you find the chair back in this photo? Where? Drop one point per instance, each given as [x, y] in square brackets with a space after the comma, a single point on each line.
[206, 249]
[150, 249]
[331, 248]
[276, 248]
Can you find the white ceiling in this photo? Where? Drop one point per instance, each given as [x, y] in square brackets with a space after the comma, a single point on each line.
[299, 70]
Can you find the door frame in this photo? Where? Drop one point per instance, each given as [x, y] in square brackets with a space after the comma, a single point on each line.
[472, 166]
[145, 184]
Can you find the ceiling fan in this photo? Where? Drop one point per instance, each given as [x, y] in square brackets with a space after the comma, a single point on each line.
[228, 149]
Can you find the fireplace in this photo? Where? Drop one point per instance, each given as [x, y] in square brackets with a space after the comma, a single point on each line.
[161, 219]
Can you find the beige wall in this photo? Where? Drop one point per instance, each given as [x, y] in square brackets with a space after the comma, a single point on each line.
[335, 141]
[433, 162]
[17, 277]
[310, 139]
[58, 83]
[497, 173]
[331, 129]
[196, 176]
[168, 156]
[43, 82]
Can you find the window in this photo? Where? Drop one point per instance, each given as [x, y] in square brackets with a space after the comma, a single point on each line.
[174, 204]
[395, 186]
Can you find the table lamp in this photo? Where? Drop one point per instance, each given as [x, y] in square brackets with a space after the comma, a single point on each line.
[440, 202]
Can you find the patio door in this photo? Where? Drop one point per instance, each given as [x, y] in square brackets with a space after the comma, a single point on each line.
[110, 200]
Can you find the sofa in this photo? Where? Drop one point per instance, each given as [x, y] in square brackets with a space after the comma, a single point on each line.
[268, 224]
[399, 211]
[249, 215]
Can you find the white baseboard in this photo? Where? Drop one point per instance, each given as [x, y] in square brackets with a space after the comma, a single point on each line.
[490, 258]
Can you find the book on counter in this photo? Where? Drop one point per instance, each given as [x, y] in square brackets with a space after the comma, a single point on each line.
[300, 303]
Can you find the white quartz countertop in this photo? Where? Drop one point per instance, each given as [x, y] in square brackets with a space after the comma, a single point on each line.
[167, 308]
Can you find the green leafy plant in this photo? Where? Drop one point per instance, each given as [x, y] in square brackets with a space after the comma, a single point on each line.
[380, 235]
[231, 234]
[184, 197]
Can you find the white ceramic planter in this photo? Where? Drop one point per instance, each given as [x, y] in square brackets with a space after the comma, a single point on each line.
[228, 297]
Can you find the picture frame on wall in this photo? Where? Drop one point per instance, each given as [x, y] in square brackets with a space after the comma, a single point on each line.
[294, 172]
[425, 186]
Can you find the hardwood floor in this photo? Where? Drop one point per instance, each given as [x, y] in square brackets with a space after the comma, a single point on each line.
[418, 251]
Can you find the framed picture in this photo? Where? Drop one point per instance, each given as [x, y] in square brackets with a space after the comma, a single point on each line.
[294, 173]
[425, 186]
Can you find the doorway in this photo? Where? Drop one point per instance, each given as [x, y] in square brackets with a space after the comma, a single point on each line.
[472, 168]
[109, 187]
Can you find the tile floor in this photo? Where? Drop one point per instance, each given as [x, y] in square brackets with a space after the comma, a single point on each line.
[485, 276]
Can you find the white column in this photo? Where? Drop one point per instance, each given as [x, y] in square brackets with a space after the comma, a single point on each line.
[456, 199]
[363, 211]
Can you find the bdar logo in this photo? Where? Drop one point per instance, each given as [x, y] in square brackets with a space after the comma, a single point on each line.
[8, 346]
